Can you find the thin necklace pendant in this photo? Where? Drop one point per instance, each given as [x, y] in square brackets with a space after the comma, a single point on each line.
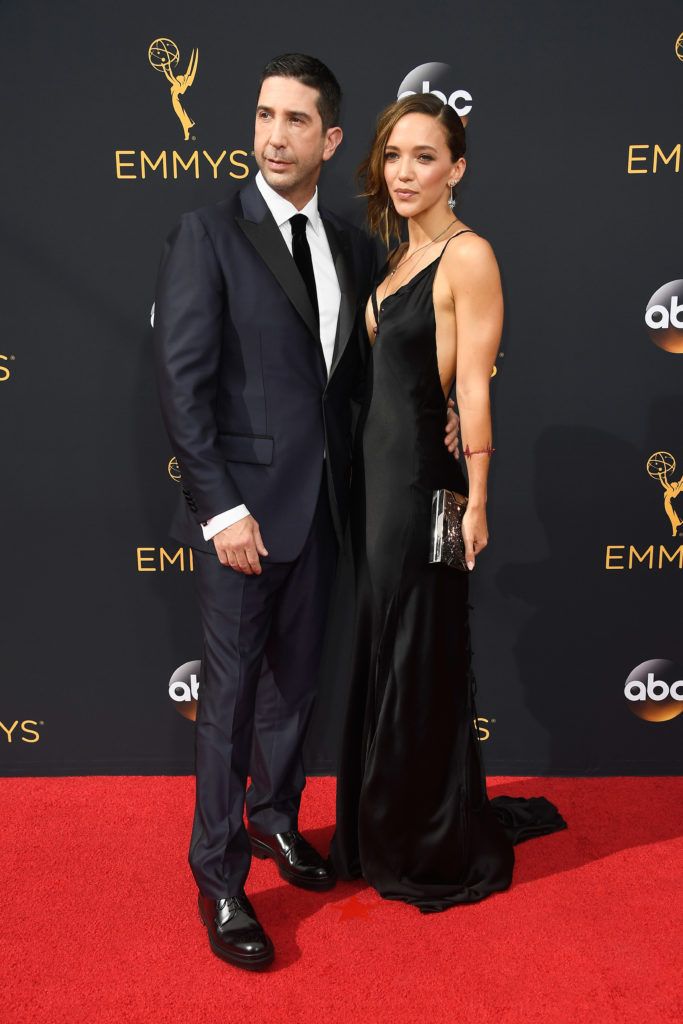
[403, 261]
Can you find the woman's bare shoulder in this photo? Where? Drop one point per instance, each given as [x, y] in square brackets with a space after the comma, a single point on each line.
[467, 244]
[469, 253]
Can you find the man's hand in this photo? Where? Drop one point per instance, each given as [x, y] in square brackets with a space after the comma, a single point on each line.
[452, 440]
[240, 545]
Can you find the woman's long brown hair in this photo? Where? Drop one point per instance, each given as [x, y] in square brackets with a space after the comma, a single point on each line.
[382, 217]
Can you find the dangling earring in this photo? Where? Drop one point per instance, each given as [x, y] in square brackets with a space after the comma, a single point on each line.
[453, 197]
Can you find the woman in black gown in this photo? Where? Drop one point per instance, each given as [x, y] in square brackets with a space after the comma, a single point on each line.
[413, 816]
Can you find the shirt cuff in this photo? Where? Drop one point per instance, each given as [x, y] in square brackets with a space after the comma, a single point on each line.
[220, 522]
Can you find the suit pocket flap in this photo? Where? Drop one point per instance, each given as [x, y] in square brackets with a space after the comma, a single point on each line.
[246, 448]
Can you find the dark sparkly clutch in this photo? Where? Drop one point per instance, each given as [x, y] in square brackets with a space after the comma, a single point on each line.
[447, 545]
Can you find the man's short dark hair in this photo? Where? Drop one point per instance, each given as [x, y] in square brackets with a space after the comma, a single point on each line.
[312, 72]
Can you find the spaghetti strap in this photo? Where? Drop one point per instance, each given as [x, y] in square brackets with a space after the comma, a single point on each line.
[435, 263]
[373, 298]
[465, 231]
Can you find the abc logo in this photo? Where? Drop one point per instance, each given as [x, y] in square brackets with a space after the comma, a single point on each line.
[654, 690]
[183, 688]
[664, 317]
[437, 79]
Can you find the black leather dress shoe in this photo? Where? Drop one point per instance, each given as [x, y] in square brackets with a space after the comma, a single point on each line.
[234, 932]
[296, 859]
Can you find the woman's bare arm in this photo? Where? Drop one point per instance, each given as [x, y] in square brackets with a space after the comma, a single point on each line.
[474, 279]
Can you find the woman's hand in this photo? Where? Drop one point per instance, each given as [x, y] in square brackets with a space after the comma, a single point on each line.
[475, 532]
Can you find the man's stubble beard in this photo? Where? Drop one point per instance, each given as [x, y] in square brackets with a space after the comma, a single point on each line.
[302, 179]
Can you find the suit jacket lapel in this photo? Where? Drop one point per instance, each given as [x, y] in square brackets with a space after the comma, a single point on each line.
[260, 228]
[341, 254]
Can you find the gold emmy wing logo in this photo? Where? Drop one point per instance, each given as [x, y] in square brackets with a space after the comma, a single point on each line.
[164, 56]
[679, 47]
[659, 466]
[174, 470]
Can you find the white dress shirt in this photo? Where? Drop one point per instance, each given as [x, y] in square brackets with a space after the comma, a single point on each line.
[329, 299]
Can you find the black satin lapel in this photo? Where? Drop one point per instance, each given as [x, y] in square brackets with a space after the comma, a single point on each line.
[267, 239]
[340, 247]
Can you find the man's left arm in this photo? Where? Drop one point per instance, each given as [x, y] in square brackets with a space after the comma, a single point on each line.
[452, 438]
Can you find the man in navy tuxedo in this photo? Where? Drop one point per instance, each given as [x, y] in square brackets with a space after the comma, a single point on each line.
[258, 357]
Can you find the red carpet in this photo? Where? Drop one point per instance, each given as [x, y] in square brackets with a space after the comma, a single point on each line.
[99, 922]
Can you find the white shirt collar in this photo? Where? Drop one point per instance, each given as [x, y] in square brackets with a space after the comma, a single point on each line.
[282, 209]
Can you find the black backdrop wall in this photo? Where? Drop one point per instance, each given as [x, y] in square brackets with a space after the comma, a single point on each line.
[575, 177]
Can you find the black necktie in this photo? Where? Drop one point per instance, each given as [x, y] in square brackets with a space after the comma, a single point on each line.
[302, 256]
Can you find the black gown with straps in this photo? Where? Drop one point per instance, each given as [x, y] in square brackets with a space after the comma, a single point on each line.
[413, 817]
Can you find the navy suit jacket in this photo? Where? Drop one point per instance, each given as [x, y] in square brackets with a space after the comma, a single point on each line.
[245, 394]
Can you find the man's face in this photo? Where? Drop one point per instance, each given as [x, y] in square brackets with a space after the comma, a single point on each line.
[290, 145]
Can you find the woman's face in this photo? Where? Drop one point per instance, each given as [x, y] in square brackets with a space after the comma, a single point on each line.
[418, 165]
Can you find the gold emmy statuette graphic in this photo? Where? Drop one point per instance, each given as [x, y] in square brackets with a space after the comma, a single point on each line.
[659, 465]
[174, 470]
[679, 47]
[164, 56]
